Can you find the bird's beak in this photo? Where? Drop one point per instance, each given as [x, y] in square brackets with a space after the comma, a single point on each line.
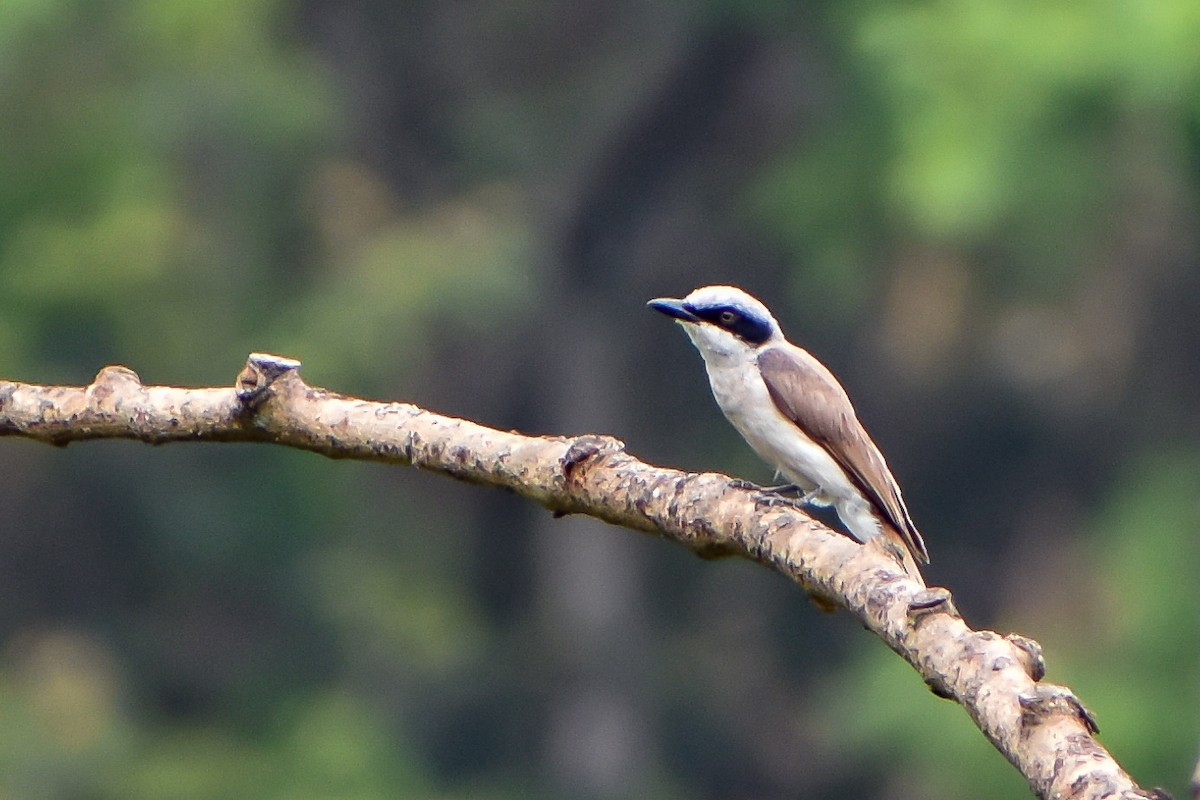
[673, 308]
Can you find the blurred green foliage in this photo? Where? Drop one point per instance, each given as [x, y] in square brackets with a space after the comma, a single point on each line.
[982, 215]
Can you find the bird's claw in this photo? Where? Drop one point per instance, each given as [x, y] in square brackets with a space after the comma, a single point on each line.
[773, 500]
[788, 493]
[791, 493]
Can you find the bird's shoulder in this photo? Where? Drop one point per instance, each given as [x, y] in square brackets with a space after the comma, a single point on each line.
[806, 391]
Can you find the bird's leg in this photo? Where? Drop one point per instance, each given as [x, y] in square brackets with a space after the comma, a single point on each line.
[792, 495]
[809, 496]
[774, 499]
[783, 488]
[767, 494]
[783, 493]
[787, 494]
[802, 497]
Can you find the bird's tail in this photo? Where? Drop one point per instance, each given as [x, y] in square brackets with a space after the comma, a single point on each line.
[904, 549]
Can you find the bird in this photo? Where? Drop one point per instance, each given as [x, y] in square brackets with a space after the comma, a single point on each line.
[794, 414]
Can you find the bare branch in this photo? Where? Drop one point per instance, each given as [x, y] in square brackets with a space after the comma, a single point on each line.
[1043, 729]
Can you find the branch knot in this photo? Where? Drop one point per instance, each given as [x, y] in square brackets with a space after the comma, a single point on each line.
[587, 448]
[261, 370]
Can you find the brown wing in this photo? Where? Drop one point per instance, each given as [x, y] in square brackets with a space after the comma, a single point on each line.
[807, 393]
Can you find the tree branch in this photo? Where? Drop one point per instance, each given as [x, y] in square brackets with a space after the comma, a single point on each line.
[1043, 729]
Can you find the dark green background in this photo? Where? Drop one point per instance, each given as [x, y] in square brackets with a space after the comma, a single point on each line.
[983, 216]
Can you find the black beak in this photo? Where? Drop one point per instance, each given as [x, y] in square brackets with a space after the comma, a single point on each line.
[673, 308]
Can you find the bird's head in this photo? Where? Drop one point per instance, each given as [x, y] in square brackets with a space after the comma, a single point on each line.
[722, 321]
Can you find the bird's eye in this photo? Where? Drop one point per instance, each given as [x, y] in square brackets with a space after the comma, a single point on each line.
[727, 317]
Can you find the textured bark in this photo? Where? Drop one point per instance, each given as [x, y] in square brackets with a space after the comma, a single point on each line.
[1041, 728]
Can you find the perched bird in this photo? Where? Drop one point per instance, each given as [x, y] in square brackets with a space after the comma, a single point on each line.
[794, 413]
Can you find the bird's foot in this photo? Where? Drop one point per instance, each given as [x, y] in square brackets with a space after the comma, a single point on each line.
[788, 494]
[773, 500]
[794, 494]
[784, 494]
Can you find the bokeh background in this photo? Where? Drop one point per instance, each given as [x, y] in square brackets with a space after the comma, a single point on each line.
[983, 216]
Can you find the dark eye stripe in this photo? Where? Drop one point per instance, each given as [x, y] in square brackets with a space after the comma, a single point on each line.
[746, 327]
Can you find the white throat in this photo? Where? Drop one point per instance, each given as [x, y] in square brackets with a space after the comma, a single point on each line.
[717, 346]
